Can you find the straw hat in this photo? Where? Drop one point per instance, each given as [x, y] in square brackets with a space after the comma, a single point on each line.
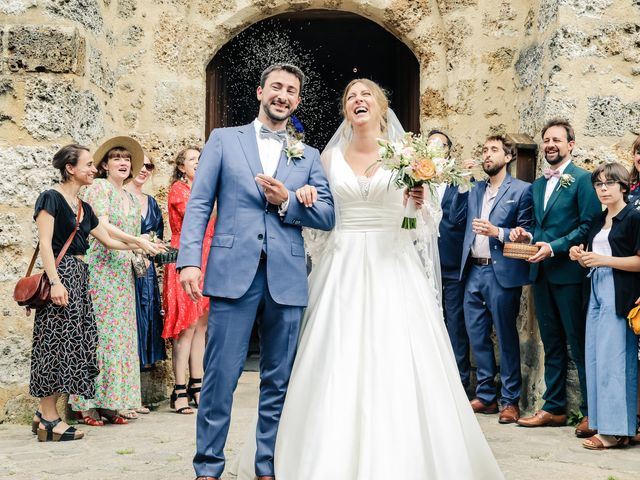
[128, 143]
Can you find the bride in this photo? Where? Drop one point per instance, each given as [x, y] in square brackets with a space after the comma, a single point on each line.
[375, 392]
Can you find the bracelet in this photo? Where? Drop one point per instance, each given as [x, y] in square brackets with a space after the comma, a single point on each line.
[55, 282]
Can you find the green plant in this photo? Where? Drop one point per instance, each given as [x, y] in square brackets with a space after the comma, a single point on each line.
[125, 451]
[574, 418]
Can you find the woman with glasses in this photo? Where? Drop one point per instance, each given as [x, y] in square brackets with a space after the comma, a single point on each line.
[611, 347]
[148, 303]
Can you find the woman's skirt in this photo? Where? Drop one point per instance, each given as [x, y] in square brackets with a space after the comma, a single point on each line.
[63, 357]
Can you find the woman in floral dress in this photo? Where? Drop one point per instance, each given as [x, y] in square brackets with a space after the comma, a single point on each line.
[185, 322]
[112, 286]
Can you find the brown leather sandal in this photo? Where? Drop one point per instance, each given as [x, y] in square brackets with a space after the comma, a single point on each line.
[594, 443]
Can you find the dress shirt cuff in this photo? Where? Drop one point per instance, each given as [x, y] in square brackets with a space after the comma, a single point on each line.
[283, 207]
[501, 234]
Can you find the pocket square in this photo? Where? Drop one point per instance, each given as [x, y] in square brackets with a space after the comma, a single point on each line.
[510, 201]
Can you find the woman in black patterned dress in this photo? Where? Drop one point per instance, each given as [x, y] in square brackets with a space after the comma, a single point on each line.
[63, 358]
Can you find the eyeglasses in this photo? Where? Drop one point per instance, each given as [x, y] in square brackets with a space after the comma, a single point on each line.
[149, 166]
[608, 184]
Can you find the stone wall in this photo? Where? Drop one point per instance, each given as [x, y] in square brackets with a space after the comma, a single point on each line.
[83, 70]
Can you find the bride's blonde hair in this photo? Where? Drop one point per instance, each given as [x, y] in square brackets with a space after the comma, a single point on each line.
[379, 94]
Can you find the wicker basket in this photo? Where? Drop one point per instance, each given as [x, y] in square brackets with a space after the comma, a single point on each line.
[521, 251]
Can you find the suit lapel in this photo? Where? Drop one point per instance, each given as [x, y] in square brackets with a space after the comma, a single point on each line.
[501, 191]
[283, 170]
[247, 139]
[479, 191]
[539, 189]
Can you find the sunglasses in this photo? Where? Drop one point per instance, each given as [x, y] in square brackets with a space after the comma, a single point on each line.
[149, 166]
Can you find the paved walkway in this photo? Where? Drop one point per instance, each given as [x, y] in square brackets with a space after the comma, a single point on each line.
[160, 446]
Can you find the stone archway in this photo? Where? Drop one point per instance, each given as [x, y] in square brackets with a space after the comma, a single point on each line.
[332, 48]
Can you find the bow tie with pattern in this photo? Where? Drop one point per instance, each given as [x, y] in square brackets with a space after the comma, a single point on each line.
[550, 173]
[279, 135]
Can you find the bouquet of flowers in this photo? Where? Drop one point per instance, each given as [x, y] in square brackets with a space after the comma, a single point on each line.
[415, 162]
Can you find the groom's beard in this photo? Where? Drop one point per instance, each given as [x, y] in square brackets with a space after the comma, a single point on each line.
[276, 117]
[559, 159]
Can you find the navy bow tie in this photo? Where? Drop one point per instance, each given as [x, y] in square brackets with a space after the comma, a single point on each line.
[279, 135]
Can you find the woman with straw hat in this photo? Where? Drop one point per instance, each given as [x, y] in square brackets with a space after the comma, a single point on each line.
[112, 286]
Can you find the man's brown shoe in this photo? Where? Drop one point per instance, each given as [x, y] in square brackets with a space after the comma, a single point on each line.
[583, 430]
[266, 478]
[479, 407]
[509, 414]
[543, 419]
[207, 478]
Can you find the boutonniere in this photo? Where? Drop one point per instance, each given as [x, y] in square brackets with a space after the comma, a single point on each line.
[566, 179]
[294, 150]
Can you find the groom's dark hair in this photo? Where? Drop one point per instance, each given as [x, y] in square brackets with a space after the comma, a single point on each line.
[287, 67]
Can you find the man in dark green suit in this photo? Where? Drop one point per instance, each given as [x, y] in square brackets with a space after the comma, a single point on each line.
[564, 206]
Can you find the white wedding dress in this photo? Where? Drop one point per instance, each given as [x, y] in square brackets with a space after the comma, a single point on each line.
[375, 393]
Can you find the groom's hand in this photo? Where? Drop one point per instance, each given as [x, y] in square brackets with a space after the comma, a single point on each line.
[190, 281]
[274, 190]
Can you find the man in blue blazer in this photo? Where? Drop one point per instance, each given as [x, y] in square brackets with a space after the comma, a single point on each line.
[494, 282]
[256, 262]
[451, 235]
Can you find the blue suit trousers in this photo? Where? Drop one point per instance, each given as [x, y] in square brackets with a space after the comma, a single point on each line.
[488, 304]
[229, 330]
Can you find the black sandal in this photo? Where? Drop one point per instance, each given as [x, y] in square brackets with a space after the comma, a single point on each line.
[191, 391]
[36, 423]
[47, 434]
[175, 396]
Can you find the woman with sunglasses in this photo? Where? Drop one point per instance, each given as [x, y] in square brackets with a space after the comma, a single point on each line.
[611, 348]
[151, 347]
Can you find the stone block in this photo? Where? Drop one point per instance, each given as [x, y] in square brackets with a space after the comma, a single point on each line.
[10, 231]
[499, 60]
[126, 8]
[15, 355]
[464, 92]
[456, 32]
[432, 104]
[528, 66]
[100, 73]
[609, 116]
[547, 13]
[587, 8]
[183, 48]
[40, 48]
[607, 40]
[213, 10]
[16, 7]
[85, 12]
[177, 105]
[403, 15]
[6, 87]
[447, 6]
[26, 171]
[499, 22]
[54, 109]
[133, 35]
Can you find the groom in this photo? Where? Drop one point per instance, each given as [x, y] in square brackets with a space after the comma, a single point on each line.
[256, 263]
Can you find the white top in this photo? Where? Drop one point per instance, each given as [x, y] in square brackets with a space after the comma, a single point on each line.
[601, 242]
[552, 184]
[270, 150]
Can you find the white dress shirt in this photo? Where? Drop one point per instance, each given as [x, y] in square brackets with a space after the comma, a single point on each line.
[552, 183]
[270, 151]
[480, 247]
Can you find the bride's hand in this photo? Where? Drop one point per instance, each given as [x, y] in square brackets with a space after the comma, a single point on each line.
[307, 195]
[417, 194]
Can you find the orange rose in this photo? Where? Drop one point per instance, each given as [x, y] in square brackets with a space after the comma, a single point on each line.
[423, 169]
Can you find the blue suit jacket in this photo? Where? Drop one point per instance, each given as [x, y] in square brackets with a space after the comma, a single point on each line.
[513, 207]
[246, 221]
[451, 237]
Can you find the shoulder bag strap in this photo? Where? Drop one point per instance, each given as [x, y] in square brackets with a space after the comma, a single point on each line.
[73, 234]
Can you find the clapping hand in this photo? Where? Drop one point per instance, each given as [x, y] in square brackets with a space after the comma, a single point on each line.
[576, 252]
[274, 190]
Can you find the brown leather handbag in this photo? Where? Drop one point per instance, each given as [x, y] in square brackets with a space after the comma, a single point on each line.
[34, 291]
